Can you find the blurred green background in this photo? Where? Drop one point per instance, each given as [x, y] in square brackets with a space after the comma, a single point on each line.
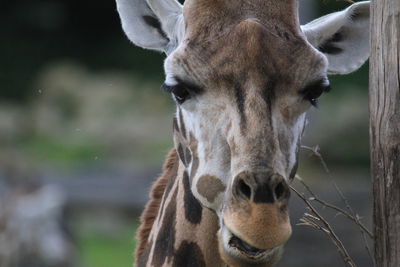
[78, 102]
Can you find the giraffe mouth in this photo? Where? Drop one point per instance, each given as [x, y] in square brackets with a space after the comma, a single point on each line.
[237, 248]
[237, 243]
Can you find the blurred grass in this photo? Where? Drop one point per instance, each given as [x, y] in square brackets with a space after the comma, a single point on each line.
[153, 152]
[62, 154]
[97, 248]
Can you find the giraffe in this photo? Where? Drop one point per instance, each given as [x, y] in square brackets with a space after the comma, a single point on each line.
[243, 73]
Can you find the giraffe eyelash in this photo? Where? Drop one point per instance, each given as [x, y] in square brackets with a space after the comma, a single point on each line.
[181, 91]
[314, 90]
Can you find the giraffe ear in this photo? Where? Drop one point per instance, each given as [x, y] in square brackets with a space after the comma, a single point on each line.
[343, 37]
[152, 24]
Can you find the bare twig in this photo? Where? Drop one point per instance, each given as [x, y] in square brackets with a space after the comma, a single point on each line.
[315, 152]
[353, 216]
[357, 219]
[341, 211]
[327, 229]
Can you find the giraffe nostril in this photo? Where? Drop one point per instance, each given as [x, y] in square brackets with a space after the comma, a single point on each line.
[279, 190]
[244, 189]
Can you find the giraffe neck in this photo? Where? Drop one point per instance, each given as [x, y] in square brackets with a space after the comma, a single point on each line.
[183, 233]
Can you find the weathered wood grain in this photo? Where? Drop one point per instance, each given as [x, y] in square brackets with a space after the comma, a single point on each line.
[385, 129]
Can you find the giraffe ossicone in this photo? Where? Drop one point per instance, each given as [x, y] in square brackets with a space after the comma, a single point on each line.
[243, 74]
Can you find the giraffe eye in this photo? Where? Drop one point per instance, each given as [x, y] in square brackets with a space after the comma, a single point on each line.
[179, 92]
[314, 90]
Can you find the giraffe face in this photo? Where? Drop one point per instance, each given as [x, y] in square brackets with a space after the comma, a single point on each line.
[241, 102]
[243, 74]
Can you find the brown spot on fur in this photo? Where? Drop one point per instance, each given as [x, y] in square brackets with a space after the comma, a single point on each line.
[193, 208]
[156, 194]
[175, 124]
[209, 187]
[240, 97]
[166, 237]
[195, 157]
[182, 124]
[188, 156]
[189, 254]
[182, 154]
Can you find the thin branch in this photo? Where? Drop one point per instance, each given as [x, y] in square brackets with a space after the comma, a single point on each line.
[316, 152]
[341, 211]
[357, 219]
[327, 229]
[310, 223]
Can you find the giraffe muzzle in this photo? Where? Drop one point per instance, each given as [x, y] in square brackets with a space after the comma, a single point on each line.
[245, 248]
[235, 249]
[255, 222]
[260, 187]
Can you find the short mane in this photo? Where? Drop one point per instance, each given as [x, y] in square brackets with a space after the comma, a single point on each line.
[156, 194]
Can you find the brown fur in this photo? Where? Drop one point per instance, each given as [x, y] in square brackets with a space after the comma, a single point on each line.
[156, 195]
[210, 187]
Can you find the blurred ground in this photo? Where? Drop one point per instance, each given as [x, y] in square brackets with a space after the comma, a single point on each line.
[80, 110]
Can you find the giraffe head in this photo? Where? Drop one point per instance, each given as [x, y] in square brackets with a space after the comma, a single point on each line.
[243, 74]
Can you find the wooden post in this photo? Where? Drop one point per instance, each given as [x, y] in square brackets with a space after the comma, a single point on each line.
[384, 106]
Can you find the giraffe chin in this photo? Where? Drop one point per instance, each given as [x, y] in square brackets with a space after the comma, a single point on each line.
[237, 252]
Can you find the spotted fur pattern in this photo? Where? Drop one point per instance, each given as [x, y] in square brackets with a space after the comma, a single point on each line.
[247, 75]
[156, 194]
